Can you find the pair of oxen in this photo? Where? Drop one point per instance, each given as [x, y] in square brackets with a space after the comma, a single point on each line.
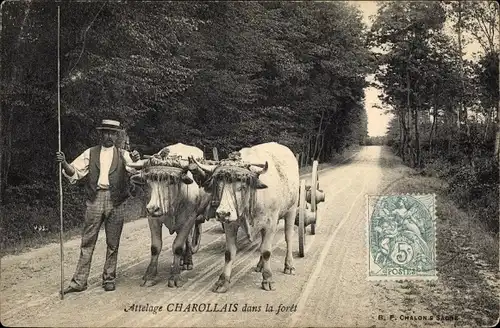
[253, 189]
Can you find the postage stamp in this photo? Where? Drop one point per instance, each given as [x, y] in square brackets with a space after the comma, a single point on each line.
[401, 237]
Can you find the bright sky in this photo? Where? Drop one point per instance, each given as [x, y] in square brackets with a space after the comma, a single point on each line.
[377, 120]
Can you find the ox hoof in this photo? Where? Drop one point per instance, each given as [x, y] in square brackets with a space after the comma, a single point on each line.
[175, 281]
[187, 267]
[148, 283]
[221, 286]
[267, 285]
[289, 270]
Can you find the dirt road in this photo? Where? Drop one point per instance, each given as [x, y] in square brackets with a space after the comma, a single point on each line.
[329, 287]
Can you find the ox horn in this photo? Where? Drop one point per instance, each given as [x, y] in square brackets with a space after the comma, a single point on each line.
[259, 168]
[206, 168]
[138, 178]
[139, 164]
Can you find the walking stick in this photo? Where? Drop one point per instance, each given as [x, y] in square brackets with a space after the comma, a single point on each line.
[60, 164]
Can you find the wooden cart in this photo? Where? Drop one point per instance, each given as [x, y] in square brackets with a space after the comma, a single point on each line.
[311, 195]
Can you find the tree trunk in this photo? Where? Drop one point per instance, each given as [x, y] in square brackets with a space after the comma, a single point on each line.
[302, 151]
[460, 60]
[431, 134]
[449, 125]
[406, 136]
[408, 114]
[215, 154]
[487, 126]
[435, 118]
[321, 145]
[417, 139]
[7, 116]
[401, 135]
[308, 150]
[297, 156]
[497, 138]
[437, 124]
[5, 151]
[3, 183]
[318, 135]
[469, 149]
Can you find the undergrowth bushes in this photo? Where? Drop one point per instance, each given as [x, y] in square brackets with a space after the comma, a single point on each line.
[473, 186]
[26, 218]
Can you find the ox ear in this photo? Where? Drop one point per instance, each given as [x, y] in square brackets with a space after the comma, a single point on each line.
[208, 185]
[185, 179]
[260, 185]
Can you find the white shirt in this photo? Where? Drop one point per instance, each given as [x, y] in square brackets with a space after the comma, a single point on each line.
[105, 164]
[81, 166]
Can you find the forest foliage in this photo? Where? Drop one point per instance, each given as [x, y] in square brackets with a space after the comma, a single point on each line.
[444, 99]
[209, 74]
[235, 74]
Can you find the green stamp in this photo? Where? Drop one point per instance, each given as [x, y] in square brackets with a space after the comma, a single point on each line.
[402, 237]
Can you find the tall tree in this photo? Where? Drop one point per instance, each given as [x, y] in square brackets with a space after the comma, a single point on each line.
[404, 31]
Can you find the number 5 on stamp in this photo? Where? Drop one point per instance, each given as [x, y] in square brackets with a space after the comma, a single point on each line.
[401, 237]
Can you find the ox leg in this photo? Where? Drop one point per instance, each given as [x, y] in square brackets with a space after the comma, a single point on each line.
[260, 265]
[178, 248]
[265, 251]
[155, 226]
[222, 285]
[289, 223]
[187, 260]
[183, 262]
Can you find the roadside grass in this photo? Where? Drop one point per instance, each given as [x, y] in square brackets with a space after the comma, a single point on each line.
[39, 238]
[467, 259]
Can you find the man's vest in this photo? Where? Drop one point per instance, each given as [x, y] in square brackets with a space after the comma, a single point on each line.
[118, 177]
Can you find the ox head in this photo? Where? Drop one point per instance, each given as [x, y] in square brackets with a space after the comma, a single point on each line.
[166, 179]
[231, 184]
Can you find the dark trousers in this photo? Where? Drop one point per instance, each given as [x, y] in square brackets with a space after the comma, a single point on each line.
[99, 211]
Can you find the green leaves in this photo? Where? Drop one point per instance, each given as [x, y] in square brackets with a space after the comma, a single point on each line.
[223, 74]
[435, 92]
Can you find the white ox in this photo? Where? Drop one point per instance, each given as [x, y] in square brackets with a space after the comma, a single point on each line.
[274, 193]
[176, 201]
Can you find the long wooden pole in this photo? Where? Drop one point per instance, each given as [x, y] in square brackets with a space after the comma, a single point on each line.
[59, 135]
[216, 154]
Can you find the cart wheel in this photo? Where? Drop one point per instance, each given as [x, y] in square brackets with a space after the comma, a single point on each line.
[195, 242]
[302, 208]
[314, 187]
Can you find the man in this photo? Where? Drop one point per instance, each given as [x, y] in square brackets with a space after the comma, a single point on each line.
[107, 186]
